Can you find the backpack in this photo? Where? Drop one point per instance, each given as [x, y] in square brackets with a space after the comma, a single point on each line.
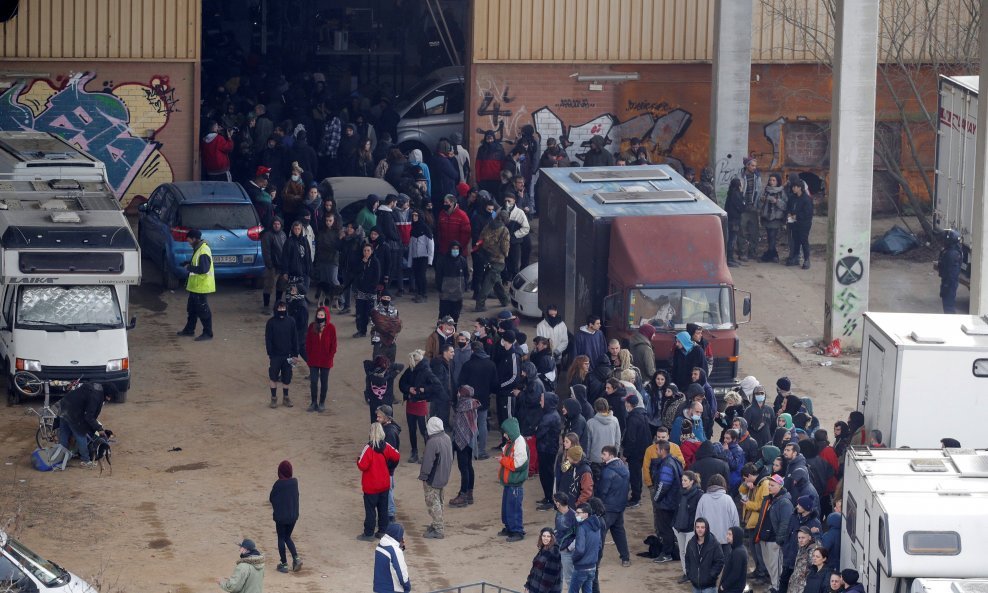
[50, 458]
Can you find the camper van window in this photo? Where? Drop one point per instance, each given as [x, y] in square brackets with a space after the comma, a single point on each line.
[851, 517]
[69, 307]
[932, 543]
[882, 536]
[49, 573]
[8, 307]
[673, 308]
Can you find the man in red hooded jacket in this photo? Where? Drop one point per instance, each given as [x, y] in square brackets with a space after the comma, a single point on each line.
[320, 349]
[453, 225]
[215, 149]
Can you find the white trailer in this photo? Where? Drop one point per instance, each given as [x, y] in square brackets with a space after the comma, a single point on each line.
[953, 200]
[949, 586]
[912, 514]
[924, 377]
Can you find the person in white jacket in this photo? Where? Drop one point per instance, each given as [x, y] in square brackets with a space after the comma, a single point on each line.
[519, 228]
[553, 327]
[390, 569]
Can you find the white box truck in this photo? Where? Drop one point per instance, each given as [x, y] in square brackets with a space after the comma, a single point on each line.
[914, 514]
[953, 200]
[949, 586]
[68, 257]
[923, 377]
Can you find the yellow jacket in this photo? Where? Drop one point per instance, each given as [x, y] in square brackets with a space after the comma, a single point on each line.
[751, 508]
[651, 453]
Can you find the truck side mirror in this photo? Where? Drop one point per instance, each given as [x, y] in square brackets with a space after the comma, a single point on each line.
[746, 307]
[133, 323]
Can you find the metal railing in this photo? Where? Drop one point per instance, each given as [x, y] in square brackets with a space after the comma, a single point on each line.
[481, 587]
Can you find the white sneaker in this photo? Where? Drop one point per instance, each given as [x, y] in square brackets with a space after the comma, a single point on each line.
[87, 464]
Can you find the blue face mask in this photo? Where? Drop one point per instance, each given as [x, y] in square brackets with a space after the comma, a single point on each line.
[580, 518]
[454, 252]
[493, 213]
[759, 398]
[695, 417]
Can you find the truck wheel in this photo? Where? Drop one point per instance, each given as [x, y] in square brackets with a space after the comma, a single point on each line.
[120, 397]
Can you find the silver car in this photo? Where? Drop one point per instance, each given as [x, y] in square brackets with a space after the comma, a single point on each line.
[430, 110]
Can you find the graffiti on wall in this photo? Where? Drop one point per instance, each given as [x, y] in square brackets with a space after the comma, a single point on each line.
[496, 105]
[117, 124]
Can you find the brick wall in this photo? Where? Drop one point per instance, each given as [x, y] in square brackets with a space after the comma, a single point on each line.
[139, 118]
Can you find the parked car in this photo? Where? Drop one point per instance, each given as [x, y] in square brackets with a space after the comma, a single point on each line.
[524, 291]
[351, 192]
[431, 109]
[25, 571]
[224, 214]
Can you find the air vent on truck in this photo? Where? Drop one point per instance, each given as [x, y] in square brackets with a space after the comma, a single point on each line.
[644, 197]
[930, 464]
[619, 174]
[969, 463]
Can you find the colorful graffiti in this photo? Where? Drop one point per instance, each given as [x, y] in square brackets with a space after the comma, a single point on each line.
[116, 124]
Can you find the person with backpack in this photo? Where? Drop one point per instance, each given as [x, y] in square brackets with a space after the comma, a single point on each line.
[284, 505]
[80, 419]
[248, 574]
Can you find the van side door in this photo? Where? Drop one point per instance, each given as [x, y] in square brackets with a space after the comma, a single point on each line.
[7, 325]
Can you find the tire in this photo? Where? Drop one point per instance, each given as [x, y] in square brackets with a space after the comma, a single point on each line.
[120, 397]
[41, 439]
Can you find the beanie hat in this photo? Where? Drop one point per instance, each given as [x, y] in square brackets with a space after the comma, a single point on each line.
[647, 330]
[508, 336]
[805, 501]
[850, 576]
[574, 454]
[434, 426]
[387, 411]
[632, 400]
[284, 471]
[694, 390]
[769, 453]
[784, 384]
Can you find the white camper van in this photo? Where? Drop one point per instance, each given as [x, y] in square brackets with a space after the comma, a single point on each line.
[924, 377]
[914, 513]
[29, 156]
[67, 260]
[25, 571]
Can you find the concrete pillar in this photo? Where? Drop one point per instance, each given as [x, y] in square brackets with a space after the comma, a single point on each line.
[731, 97]
[852, 155]
[979, 231]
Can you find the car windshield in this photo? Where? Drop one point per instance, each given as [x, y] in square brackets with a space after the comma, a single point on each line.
[217, 216]
[414, 93]
[69, 307]
[673, 308]
[46, 571]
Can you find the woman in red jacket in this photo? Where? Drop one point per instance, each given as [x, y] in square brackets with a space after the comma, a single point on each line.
[320, 348]
[375, 480]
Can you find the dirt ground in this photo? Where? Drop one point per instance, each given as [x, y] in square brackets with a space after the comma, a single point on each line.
[198, 449]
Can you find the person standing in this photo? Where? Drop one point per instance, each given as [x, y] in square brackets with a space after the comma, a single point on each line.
[464, 439]
[437, 465]
[454, 278]
[751, 192]
[547, 446]
[201, 282]
[704, 558]
[420, 253]
[586, 549]
[734, 206]
[390, 569]
[546, 573]
[387, 226]
[800, 219]
[281, 343]
[508, 364]
[493, 247]
[565, 532]
[773, 214]
[773, 527]
[589, 341]
[480, 374]
[949, 269]
[215, 149]
[666, 474]
[636, 437]
[284, 504]
[512, 473]
[519, 228]
[442, 368]
[375, 481]
[320, 348]
[385, 327]
[734, 578]
[248, 574]
[718, 509]
[689, 498]
[419, 385]
[385, 416]
[554, 328]
[379, 378]
[612, 489]
[272, 244]
[452, 226]
[365, 274]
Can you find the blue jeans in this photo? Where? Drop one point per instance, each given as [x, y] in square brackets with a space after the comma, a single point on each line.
[391, 499]
[706, 590]
[566, 559]
[65, 431]
[480, 445]
[511, 509]
[582, 580]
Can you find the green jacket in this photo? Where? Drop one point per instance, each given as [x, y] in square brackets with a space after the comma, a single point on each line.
[248, 576]
[514, 462]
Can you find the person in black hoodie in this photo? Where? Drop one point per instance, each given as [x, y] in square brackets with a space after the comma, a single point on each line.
[390, 241]
[296, 258]
[379, 384]
[365, 274]
[528, 400]
[442, 368]
[689, 498]
[707, 463]
[734, 206]
[734, 579]
[281, 344]
[704, 557]
[284, 505]
[547, 445]
[615, 392]
[579, 392]
[575, 422]
[385, 416]
[635, 438]
[801, 219]
[80, 417]
[480, 373]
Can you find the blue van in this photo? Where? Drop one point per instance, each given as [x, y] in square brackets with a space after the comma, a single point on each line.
[221, 210]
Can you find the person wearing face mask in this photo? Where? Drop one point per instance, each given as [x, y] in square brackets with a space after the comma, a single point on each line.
[386, 327]
[554, 328]
[296, 258]
[455, 275]
[293, 196]
[494, 246]
[281, 343]
[452, 226]
[760, 417]
[320, 348]
[519, 228]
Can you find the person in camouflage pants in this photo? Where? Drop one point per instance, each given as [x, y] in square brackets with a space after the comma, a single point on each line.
[437, 464]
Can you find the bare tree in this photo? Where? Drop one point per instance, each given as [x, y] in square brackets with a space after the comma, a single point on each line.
[917, 40]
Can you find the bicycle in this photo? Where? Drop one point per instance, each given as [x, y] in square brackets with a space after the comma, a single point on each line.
[30, 385]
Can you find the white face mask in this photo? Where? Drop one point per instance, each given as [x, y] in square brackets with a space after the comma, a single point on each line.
[295, 178]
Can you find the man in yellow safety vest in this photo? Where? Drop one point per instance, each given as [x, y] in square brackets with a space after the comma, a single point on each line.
[201, 282]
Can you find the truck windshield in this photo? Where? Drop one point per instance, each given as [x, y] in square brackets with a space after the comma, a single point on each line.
[49, 573]
[77, 308]
[673, 308]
